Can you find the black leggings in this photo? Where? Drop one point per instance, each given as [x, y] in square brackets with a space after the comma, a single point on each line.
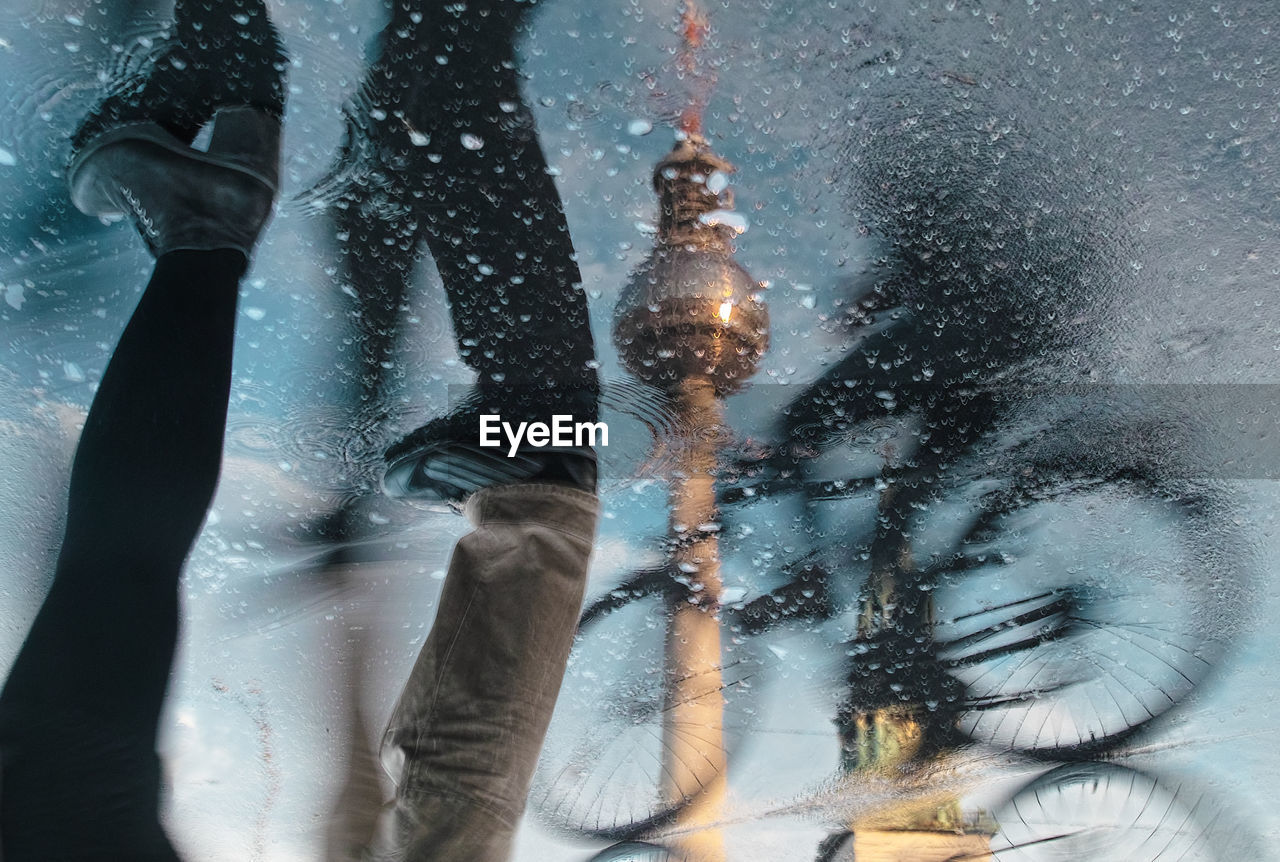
[79, 776]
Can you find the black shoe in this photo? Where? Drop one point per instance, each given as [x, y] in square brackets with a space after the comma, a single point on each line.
[178, 197]
[132, 156]
[452, 472]
[443, 460]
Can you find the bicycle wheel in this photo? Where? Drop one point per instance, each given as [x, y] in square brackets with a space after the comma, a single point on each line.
[636, 851]
[606, 768]
[1074, 618]
[1103, 813]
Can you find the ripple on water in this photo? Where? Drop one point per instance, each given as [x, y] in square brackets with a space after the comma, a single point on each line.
[60, 76]
[631, 408]
[25, 11]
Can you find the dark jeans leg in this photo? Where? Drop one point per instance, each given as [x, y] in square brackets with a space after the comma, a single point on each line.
[484, 200]
[79, 776]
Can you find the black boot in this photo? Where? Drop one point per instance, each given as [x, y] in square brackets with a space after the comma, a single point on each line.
[131, 156]
[180, 198]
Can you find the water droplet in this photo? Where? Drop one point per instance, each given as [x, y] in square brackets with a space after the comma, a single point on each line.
[13, 295]
[728, 218]
[639, 128]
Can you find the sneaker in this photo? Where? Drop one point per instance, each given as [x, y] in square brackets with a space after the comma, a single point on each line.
[443, 460]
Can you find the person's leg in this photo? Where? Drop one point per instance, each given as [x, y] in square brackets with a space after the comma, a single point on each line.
[379, 246]
[79, 776]
[79, 713]
[453, 128]
[443, 111]
[442, 115]
[494, 222]
[464, 738]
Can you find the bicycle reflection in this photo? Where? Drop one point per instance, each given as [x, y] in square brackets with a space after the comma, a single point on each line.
[1006, 607]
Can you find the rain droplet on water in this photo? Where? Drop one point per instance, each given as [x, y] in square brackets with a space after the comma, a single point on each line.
[728, 218]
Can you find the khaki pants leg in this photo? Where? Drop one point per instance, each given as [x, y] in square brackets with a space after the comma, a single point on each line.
[465, 736]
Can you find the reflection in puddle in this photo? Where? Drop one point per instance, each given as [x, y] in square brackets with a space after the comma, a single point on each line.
[894, 607]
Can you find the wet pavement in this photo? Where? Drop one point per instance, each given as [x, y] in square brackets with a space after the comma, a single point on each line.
[995, 525]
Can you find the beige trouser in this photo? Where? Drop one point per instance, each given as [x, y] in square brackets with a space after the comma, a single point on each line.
[464, 738]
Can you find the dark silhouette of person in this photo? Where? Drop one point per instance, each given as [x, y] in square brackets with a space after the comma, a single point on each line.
[442, 154]
[79, 775]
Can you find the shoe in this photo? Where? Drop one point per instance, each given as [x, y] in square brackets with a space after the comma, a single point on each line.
[131, 156]
[179, 197]
[452, 472]
[444, 462]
